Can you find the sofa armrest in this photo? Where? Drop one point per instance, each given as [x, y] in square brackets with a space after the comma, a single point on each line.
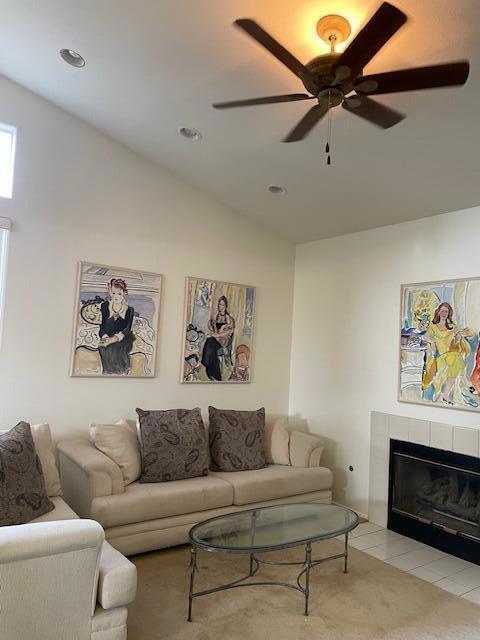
[117, 579]
[37, 560]
[24, 542]
[86, 473]
[305, 449]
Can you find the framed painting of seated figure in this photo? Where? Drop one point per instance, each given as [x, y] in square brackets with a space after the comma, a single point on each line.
[116, 322]
[217, 332]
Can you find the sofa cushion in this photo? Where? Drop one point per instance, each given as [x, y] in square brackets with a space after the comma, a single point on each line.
[61, 511]
[117, 579]
[275, 481]
[109, 624]
[147, 501]
[236, 439]
[22, 487]
[45, 449]
[174, 445]
[119, 442]
[277, 438]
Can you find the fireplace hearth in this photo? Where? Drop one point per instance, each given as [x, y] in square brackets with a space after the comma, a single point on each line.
[434, 497]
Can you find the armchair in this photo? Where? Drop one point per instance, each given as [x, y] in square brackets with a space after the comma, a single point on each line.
[59, 580]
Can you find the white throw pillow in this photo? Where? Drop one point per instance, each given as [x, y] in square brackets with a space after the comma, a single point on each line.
[119, 442]
[139, 431]
[42, 439]
[277, 438]
[92, 429]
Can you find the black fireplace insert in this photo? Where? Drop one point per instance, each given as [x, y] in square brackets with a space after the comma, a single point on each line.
[434, 497]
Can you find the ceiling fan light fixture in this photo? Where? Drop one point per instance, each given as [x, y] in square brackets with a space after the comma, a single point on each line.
[72, 58]
[277, 190]
[333, 29]
[190, 134]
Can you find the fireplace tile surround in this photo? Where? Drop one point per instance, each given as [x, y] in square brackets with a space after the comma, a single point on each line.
[385, 427]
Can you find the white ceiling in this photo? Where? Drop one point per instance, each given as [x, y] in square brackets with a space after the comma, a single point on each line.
[155, 65]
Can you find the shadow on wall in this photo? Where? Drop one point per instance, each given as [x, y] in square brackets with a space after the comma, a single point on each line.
[329, 457]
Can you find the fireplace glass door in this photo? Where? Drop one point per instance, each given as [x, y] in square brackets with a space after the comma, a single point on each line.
[438, 494]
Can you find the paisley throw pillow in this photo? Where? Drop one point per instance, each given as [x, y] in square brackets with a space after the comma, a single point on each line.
[174, 445]
[22, 486]
[236, 439]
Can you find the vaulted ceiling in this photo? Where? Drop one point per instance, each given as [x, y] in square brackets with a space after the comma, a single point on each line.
[153, 66]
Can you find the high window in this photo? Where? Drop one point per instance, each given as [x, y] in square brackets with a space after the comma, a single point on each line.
[4, 231]
[7, 159]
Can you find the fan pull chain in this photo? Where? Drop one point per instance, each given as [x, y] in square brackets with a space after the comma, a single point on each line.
[329, 136]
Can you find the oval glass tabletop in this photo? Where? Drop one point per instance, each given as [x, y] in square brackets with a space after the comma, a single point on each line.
[274, 527]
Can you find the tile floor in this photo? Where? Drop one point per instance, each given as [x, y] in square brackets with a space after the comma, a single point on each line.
[445, 571]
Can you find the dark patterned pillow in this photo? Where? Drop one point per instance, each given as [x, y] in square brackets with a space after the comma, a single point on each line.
[236, 439]
[174, 445]
[22, 487]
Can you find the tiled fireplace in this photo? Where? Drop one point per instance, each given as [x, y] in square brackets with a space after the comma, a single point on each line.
[433, 472]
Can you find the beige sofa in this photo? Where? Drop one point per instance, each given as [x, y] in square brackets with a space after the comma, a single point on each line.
[59, 578]
[143, 517]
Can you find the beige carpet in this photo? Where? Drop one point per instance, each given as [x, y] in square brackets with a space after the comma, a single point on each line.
[373, 601]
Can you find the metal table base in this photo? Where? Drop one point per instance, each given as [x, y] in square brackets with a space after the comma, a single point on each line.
[303, 576]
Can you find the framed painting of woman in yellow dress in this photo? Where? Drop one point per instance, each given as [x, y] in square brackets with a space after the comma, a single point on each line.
[439, 344]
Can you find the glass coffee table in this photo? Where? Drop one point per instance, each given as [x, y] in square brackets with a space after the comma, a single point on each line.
[267, 529]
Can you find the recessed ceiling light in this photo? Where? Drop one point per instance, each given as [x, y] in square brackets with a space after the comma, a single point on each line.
[72, 58]
[275, 189]
[190, 134]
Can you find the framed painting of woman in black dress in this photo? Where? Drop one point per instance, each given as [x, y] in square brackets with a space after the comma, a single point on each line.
[116, 322]
[218, 332]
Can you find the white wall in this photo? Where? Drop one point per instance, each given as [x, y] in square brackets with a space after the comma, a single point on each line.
[80, 196]
[345, 332]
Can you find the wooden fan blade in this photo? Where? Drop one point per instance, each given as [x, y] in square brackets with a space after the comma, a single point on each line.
[378, 30]
[256, 32]
[374, 112]
[440, 75]
[292, 97]
[306, 124]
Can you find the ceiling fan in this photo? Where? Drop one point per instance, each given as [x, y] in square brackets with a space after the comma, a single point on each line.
[337, 78]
